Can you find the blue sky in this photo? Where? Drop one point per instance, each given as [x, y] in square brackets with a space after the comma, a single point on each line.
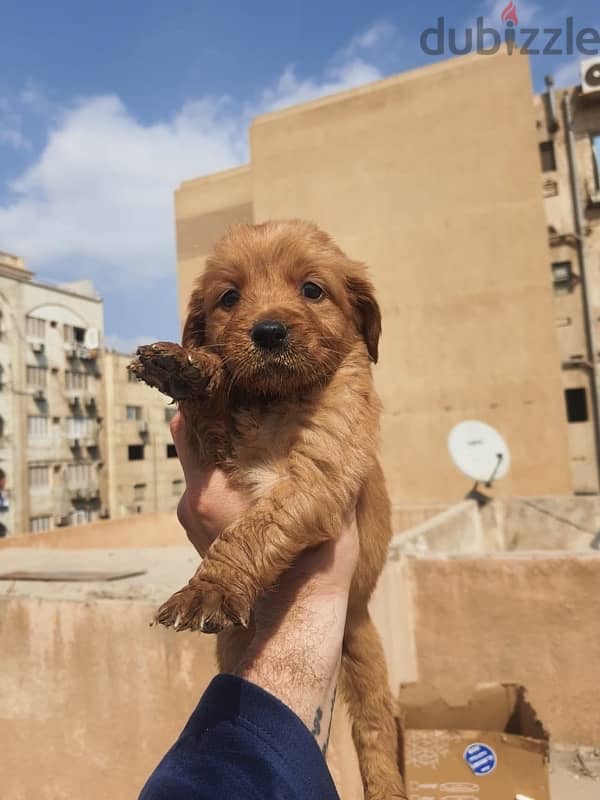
[106, 107]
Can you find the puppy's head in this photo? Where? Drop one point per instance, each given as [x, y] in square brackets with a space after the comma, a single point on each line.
[283, 306]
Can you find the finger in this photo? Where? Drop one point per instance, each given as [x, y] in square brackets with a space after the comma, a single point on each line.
[186, 455]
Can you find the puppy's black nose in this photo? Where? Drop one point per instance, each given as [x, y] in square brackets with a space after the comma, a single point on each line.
[269, 334]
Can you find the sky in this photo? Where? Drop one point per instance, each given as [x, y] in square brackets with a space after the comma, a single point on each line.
[106, 107]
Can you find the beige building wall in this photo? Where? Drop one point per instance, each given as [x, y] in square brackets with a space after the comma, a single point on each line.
[432, 178]
[50, 399]
[143, 472]
[578, 347]
[204, 208]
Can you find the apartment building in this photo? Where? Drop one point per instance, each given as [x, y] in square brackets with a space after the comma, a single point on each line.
[432, 178]
[50, 401]
[142, 472]
[568, 129]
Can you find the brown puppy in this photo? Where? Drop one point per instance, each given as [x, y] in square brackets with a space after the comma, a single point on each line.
[274, 380]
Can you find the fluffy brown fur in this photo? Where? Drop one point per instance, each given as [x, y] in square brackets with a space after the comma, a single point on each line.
[295, 429]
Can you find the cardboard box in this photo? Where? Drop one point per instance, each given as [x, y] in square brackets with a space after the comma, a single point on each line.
[487, 745]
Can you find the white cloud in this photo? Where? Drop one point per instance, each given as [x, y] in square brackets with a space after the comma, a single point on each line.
[11, 126]
[291, 90]
[101, 191]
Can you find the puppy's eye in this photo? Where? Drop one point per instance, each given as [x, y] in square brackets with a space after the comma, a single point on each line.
[230, 298]
[311, 291]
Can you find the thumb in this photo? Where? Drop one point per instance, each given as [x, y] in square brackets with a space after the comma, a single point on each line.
[188, 458]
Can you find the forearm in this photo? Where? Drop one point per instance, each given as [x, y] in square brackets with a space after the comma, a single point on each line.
[297, 658]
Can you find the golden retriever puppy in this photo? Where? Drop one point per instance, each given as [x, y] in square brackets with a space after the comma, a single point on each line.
[274, 380]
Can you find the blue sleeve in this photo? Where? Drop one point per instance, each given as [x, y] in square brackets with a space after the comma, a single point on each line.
[241, 742]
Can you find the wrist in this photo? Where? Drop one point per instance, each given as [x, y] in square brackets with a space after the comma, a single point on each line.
[296, 657]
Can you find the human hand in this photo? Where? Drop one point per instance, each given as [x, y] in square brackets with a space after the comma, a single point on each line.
[208, 504]
[296, 648]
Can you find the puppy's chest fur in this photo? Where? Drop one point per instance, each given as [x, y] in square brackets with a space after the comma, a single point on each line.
[313, 432]
[261, 438]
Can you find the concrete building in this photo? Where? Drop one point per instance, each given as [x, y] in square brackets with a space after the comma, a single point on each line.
[431, 177]
[142, 472]
[568, 129]
[50, 401]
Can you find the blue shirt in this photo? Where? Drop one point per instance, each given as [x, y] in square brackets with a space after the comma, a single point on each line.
[241, 742]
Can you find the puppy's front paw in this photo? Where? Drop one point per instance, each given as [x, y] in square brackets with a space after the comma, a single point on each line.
[204, 606]
[177, 372]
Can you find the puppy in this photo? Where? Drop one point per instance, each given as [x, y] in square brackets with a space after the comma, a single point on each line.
[274, 380]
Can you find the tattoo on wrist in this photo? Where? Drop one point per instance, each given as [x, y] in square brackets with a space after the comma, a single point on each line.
[316, 727]
[326, 745]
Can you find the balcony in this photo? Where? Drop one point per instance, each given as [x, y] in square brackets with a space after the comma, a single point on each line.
[80, 351]
[83, 493]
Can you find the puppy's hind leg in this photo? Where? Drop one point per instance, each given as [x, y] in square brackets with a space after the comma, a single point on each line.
[364, 685]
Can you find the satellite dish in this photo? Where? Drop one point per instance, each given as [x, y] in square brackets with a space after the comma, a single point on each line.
[479, 451]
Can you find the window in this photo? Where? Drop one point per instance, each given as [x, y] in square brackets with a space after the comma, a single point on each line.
[35, 327]
[576, 401]
[82, 516]
[171, 451]
[177, 487]
[37, 427]
[139, 492]
[562, 277]
[79, 427]
[39, 524]
[39, 477]
[79, 476]
[76, 380]
[73, 335]
[135, 452]
[133, 413]
[170, 412]
[596, 154]
[547, 156]
[36, 376]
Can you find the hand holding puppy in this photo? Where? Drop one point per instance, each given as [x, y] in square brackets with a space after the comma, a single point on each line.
[299, 625]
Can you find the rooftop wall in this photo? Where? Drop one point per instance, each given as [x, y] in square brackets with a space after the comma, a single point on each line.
[92, 696]
[140, 530]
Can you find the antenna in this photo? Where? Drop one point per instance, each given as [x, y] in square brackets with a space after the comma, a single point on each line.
[479, 451]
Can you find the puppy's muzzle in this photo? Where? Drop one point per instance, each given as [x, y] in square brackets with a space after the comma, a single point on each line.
[270, 334]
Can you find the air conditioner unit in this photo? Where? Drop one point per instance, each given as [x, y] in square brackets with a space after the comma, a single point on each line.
[593, 193]
[590, 75]
[74, 442]
[143, 428]
[74, 400]
[85, 354]
[39, 394]
[38, 347]
[91, 338]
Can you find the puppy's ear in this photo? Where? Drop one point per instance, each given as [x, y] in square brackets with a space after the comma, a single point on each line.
[366, 308]
[194, 330]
